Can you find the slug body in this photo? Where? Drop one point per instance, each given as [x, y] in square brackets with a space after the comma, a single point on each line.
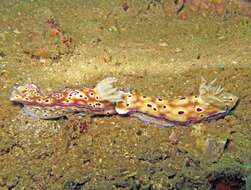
[96, 101]
[211, 103]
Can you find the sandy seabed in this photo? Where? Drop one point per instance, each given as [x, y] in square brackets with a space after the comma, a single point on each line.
[146, 51]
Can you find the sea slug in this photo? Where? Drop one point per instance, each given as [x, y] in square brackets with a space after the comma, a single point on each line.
[211, 103]
[96, 101]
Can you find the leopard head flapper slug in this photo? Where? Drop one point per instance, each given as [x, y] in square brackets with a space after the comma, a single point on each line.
[211, 103]
[97, 101]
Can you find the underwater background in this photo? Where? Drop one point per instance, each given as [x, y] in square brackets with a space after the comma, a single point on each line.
[157, 47]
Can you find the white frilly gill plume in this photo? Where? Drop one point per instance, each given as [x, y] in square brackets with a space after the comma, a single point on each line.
[107, 92]
[213, 94]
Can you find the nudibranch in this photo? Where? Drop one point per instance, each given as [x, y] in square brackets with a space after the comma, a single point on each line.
[96, 101]
[211, 103]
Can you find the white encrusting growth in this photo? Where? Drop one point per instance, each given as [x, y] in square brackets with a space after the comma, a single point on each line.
[106, 91]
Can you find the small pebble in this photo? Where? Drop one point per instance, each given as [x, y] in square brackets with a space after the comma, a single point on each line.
[163, 44]
[173, 138]
[221, 66]
[16, 31]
